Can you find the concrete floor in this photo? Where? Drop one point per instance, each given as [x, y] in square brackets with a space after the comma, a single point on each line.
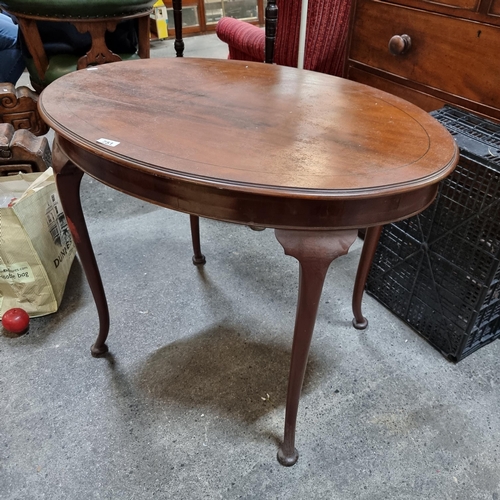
[190, 404]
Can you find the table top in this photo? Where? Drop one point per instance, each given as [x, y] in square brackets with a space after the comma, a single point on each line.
[249, 130]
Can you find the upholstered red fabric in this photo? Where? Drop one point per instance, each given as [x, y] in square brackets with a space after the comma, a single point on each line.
[327, 27]
[286, 48]
[245, 41]
[326, 35]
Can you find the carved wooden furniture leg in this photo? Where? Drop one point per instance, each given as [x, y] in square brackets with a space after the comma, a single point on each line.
[315, 250]
[68, 178]
[21, 151]
[18, 106]
[198, 257]
[179, 43]
[143, 35]
[369, 246]
[34, 44]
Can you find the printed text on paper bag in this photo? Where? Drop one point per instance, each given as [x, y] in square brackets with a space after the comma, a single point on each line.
[20, 272]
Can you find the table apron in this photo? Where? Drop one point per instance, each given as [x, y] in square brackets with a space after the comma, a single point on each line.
[290, 211]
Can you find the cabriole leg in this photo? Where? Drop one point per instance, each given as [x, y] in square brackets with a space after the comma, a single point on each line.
[315, 250]
[198, 257]
[68, 178]
[365, 261]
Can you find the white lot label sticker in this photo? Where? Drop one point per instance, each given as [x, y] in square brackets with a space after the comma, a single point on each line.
[20, 272]
[108, 142]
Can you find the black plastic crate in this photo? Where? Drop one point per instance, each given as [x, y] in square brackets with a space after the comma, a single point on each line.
[439, 271]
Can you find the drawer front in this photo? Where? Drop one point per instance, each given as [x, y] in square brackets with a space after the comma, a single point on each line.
[452, 55]
[421, 99]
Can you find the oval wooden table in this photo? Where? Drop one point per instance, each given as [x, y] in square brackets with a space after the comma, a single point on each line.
[314, 156]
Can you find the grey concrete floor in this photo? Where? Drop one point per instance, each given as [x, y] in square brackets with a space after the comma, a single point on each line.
[190, 403]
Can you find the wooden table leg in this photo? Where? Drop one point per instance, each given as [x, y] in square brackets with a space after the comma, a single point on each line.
[369, 246]
[68, 178]
[179, 43]
[143, 34]
[198, 257]
[315, 250]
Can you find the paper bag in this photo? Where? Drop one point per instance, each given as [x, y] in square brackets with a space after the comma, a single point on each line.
[36, 248]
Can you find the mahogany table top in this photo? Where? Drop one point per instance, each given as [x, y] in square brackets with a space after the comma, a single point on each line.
[235, 131]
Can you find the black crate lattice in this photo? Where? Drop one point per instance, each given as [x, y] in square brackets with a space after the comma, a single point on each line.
[439, 271]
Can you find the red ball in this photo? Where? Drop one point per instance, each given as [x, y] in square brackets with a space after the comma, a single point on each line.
[16, 320]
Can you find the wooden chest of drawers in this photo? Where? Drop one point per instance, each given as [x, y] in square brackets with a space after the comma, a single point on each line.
[429, 52]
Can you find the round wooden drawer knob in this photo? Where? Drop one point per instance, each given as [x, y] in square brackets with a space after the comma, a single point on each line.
[399, 45]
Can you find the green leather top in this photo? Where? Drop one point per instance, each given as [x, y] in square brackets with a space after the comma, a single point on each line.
[76, 8]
